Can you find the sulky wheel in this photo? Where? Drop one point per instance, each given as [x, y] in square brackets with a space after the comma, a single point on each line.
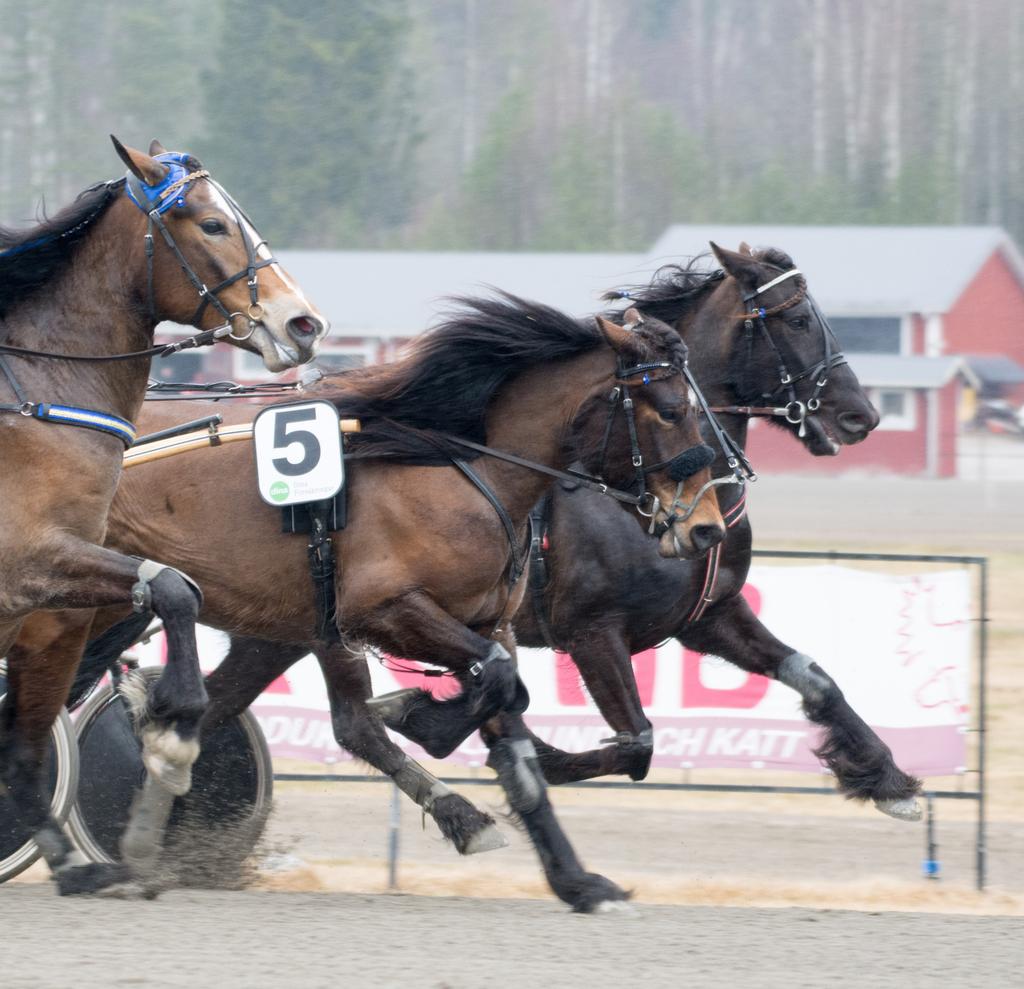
[212, 829]
[17, 850]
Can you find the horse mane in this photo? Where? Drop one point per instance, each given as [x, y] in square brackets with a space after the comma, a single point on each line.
[447, 379]
[676, 288]
[30, 259]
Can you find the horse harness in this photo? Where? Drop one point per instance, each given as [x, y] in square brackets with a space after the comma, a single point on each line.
[794, 411]
[154, 201]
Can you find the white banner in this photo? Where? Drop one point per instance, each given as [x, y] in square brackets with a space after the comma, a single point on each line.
[898, 646]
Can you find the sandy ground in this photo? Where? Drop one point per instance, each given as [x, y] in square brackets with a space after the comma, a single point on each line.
[829, 891]
[256, 939]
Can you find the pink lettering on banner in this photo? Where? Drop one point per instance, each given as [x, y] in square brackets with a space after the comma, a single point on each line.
[409, 673]
[748, 694]
[570, 686]
[700, 722]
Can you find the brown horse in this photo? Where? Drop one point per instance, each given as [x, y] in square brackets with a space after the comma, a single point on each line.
[80, 296]
[430, 558]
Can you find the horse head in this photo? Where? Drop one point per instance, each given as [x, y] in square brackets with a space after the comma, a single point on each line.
[206, 265]
[784, 353]
[654, 443]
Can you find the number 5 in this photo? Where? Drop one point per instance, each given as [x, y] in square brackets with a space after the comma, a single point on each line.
[283, 438]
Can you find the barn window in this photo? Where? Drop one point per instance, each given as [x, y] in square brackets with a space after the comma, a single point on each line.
[332, 357]
[897, 408]
[867, 334]
[341, 358]
[183, 366]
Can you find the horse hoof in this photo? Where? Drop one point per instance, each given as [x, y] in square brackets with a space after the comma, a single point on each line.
[617, 906]
[487, 839]
[391, 707]
[595, 893]
[131, 890]
[80, 880]
[904, 809]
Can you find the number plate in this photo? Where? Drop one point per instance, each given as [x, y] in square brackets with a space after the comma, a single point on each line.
[298, 453]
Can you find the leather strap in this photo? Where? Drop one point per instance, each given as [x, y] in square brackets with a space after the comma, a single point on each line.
[518, 561]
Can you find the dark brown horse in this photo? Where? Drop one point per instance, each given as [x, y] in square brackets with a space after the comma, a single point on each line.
[428, 560]
[603, 614]
[76, 292]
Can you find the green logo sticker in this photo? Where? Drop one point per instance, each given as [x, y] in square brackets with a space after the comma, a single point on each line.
[279, 491]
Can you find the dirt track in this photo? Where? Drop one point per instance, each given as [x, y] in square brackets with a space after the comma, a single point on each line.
[311, 940]
[805, 857]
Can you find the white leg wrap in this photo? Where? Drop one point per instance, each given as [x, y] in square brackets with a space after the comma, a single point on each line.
[795, 671]
[165, 754]
[143, 839]
[529, 785]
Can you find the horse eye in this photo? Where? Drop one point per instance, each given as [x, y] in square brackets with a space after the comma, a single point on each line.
[800, 322]
[669, 414]
[213, 227]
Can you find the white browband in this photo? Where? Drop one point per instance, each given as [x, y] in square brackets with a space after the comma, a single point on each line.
[775, 281]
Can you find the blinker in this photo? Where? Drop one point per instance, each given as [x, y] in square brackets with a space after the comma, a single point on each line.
[689, 462]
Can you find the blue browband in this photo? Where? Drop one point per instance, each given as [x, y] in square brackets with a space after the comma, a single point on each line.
[153, 197]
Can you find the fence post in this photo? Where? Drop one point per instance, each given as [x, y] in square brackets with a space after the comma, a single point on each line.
[980, 863]
[931, 865]
[394, 830]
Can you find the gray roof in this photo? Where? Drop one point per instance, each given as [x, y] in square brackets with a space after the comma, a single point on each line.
[400, 293]
[874, 270]
[894, 371]
[995, 369]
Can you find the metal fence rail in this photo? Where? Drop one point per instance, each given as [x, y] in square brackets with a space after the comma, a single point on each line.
[930, 862]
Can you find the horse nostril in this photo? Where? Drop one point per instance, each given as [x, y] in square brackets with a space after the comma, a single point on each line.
[706, 536]
[855, 422]
[303, 327]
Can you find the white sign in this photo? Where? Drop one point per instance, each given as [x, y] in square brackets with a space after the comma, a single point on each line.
[899, 646]
[298, 453]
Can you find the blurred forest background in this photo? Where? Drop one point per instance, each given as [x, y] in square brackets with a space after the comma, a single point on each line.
[528, 124]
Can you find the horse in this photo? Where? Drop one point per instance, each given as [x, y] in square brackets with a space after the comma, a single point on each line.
[591, 577]
[80, 296]
[459, 439]
[760, 347]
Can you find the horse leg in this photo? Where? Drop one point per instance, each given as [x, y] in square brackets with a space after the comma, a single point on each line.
[861, 762]
[513, 757]
[603, 658]
[252, 664]
[359, 731]
[82, 575]
[414, 626]
[38, 678]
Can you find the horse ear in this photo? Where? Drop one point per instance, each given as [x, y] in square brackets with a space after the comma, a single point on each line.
[144, 167]
[744, 268]
[619, 338]
[631, 319]
[744, 246]
[156, 148]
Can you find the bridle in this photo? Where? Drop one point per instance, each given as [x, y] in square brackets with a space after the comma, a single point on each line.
[679, 467]
[682, 466]
[154, 201]
[794, 411]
